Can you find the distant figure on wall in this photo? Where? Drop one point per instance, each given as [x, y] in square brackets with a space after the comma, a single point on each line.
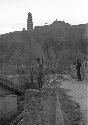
[31, 75]
[40, 73]
[78, 67]
[31, 85]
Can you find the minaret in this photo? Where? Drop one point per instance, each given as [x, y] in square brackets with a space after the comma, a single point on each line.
[29, 22]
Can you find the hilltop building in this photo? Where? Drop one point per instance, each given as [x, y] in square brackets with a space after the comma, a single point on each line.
[29, 22]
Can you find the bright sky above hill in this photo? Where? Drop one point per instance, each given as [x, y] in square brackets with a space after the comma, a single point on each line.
[13, 13]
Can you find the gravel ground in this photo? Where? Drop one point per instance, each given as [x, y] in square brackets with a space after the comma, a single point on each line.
[78, 90]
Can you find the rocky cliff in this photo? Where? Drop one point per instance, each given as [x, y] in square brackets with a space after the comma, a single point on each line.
[59, 43]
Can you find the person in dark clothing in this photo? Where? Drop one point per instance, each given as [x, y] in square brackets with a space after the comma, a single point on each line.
[78, 67]
[40, 73]
[31, 75]
[31, 78]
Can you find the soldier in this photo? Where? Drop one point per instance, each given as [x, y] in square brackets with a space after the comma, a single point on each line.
[40, 73]
[31, 78]
[78, 67]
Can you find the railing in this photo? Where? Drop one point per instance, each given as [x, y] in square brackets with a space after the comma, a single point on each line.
[7, 83]
[18, 120]
[10, 85]
[10, 116]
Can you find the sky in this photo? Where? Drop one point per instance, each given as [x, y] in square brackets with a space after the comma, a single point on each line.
[13, 13]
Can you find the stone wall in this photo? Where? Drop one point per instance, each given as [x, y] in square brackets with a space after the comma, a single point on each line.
[73, 71]
[42, 108]
[86, 69]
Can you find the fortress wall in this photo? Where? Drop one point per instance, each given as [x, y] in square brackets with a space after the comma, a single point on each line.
[42, 108]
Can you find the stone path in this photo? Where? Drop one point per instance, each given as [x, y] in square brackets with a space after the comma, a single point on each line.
[78, 90]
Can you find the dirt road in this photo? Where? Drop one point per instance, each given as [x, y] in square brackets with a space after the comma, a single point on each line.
[78, 90]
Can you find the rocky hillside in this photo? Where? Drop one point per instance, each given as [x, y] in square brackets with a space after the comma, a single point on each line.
[58, 43]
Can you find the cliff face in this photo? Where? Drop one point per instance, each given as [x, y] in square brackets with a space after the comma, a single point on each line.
[62, 43]
[57, 43]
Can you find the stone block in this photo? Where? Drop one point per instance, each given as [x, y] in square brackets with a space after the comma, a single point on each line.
[42, 108]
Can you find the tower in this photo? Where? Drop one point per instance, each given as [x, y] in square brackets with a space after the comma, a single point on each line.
[29, 22]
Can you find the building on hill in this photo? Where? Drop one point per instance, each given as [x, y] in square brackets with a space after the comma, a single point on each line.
[29, 22]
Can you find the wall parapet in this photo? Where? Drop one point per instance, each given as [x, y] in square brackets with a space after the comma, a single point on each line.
[42, 108]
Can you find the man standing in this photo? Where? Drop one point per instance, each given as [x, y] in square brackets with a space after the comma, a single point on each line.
[40, 73]
[31, 75]
[31, 79]
[78, 67]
